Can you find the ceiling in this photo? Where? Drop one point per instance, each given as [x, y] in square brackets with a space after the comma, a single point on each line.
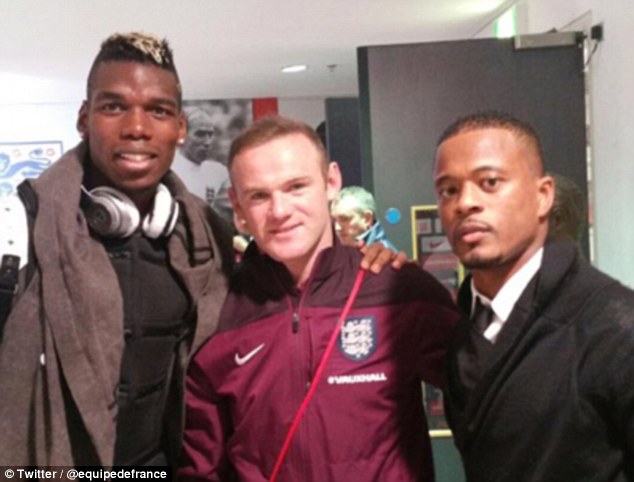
[223, 48]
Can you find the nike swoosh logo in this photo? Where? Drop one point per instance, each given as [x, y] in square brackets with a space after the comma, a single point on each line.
[241, 360]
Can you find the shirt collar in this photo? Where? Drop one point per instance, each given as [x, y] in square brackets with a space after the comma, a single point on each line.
[505, 300]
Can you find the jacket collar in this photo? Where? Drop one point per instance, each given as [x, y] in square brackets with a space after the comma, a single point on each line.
[327, 264]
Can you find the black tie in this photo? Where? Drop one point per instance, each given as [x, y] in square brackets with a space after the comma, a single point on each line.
[482, 316]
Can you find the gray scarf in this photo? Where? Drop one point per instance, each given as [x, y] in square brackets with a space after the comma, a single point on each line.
[83, 309]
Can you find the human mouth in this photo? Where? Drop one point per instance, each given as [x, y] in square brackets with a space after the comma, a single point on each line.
[135, 160]
[284, 230]
[135, 157]
[471, 232]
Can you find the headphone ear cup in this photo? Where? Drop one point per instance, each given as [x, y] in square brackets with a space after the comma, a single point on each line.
[111, 213]
[162, 220]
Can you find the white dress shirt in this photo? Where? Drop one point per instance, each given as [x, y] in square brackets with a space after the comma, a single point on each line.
[505, 300]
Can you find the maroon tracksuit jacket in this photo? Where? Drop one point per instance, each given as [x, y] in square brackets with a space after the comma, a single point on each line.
[366, 421]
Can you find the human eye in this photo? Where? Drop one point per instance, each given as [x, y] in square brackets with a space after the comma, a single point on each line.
[161, 112]
[257, 196]
[111, 107]
[446, 191]
[297, 186]
[490, 183]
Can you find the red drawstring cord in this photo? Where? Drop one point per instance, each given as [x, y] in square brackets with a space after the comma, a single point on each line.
[320, 368]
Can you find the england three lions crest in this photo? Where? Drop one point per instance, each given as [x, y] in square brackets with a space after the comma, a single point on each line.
[358, 337]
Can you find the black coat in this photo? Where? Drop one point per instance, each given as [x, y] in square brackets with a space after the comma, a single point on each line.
[555, 401]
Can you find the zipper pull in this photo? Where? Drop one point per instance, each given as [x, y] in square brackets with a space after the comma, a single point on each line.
[295, 324]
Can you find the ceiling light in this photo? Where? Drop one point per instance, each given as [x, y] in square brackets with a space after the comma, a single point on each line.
[505, 25]
[292, 69]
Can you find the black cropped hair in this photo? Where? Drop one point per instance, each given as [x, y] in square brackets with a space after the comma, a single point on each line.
[496, 119]
[135, 47]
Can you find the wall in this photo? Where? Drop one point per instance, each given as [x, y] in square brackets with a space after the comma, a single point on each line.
[311, 110]
[54, 122]
[611, 80]
[39, 122]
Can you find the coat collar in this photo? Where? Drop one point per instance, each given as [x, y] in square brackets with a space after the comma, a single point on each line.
[560, 258]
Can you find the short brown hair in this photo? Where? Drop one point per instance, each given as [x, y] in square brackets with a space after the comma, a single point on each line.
[272, 127]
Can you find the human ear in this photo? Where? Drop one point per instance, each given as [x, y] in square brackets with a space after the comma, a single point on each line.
[239, 219]
[546, 195]
[82, 120]
[333, 180]
[182, 128]
[368, 218]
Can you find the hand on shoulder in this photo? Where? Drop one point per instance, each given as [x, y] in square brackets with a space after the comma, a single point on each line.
[376, 256]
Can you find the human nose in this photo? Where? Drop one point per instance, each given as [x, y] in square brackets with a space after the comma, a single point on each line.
[279, 207]
[469, 199]
[136, 124]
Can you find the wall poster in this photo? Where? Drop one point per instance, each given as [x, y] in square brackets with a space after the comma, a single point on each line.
[433, 253]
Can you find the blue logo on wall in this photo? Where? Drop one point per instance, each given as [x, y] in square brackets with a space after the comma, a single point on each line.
[15, 166]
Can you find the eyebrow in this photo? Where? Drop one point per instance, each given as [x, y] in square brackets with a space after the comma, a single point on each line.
[294, 180]
[105, 95]
[476, 171]
[440, 179]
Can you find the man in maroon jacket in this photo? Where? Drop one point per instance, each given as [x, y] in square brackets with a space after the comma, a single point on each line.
[366, 419]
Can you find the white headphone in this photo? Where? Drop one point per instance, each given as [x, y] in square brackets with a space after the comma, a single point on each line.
[111, 213]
